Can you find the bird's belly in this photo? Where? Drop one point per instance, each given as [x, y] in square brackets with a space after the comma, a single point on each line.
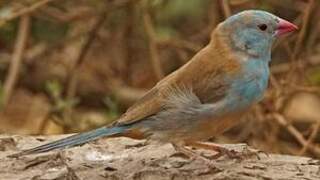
[196, 130]
[213, 127]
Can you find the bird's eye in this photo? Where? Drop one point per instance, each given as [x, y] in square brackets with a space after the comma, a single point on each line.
[262, 27]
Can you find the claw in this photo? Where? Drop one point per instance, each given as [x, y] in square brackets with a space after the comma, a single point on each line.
[232, 154]
[194, 156]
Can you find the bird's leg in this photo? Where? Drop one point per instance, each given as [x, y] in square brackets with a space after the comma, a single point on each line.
[224, 151]
[191, 154]
[215, 147]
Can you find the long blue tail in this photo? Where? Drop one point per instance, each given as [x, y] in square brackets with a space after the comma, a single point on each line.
[74, 140]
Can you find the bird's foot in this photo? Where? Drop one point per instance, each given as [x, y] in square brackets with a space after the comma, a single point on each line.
[248, 152]
[194, 156]
[232, 154]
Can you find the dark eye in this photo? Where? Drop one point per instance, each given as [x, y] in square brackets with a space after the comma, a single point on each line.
[262, 27]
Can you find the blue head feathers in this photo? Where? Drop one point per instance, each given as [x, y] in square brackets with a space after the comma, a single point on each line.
[251, 32]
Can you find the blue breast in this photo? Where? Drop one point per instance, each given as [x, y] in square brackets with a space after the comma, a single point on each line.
[250, 85]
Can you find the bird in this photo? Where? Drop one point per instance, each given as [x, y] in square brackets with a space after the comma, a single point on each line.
[206, 96]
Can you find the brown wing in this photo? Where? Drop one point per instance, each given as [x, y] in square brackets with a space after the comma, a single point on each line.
[203, 73]
[149, 104]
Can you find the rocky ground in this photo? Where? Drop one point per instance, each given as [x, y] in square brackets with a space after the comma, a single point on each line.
[123, 158]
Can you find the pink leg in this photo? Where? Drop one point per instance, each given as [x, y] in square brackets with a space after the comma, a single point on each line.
[215, 147]
[192, 155]
[224, 151]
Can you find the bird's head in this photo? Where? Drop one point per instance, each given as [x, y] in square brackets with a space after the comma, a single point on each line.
[252, 32]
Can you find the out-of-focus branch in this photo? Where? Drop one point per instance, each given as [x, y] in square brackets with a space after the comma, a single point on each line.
[302, 34]
[226, 8]
[84, 49]
[154, 54]
[12, 76]
[72, 79]
[294, 5]
[126, 95]
[62, 16]
[311, 138]
[285, 67]
[180, 43]
[24, 11]
[296, 134]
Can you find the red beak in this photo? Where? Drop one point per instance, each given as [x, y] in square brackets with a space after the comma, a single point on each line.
[285, 27]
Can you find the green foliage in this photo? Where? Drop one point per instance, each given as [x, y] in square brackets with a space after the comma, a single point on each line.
[116, 18]
[177, 9]
[46, 30]
[112, 108]
[98, 5]
[165, 32]
[8, 32]
[264, 5]
[314, 76]
[170, 13]
[54, 89]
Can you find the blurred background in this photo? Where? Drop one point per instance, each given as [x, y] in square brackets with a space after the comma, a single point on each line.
[70, 66]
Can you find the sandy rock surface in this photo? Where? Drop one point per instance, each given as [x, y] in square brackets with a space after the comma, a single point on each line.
[124, 158]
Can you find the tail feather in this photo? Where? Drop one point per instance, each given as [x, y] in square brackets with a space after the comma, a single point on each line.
[74, 140]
